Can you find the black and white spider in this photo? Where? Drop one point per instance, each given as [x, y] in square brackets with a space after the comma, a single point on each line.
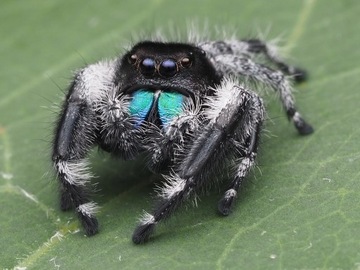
[188, 106]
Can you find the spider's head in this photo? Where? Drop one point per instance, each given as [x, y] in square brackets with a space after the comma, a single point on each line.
[177, 66]
[159, 60]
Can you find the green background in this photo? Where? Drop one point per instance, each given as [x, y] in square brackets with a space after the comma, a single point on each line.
[300, 210]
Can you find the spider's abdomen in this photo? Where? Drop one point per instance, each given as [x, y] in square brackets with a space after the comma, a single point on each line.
[158, 107]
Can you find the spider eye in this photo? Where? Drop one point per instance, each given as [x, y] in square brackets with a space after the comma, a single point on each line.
[147, 66]
[168, 68]
[132, 59]
[186, 62]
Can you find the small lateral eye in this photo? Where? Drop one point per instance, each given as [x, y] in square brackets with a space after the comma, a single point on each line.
[186, 62]
[132, 59]
[147, 66]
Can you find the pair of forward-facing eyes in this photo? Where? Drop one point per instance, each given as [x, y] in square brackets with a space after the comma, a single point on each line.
[168, 67]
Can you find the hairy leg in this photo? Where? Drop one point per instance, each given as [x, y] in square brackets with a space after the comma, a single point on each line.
[229, 114]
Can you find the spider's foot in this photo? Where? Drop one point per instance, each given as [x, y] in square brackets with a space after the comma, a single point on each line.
[144, 229]
[299, 75]
[90, 224]
[142, 233]
[226, 203]
[303, 127]
[65, 202]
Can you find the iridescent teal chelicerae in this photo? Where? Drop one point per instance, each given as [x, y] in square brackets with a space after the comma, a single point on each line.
[169, 105]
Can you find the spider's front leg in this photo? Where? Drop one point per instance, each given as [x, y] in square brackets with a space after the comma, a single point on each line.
[234, 117]
[76, 133]
[75, 136]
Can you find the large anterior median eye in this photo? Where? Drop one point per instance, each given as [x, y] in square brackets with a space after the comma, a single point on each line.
[170, 105]
[147, 66]
[168, 68]
[141, 103]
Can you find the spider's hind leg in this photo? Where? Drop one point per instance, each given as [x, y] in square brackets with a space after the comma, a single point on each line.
[234, 57]
[232, 64]
[270, 51]
[255, 47]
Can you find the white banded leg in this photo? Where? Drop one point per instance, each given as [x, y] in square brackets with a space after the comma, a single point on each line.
[74, 177]
[173, 194]
[227, 201]
[234, 112]
[254, 46]
[230, 64]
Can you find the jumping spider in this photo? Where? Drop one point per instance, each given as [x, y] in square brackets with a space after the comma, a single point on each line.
[188, 106]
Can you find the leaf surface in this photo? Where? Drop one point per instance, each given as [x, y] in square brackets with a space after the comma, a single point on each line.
[300, 211]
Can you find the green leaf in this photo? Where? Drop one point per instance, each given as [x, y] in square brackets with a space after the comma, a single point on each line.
[300, 211]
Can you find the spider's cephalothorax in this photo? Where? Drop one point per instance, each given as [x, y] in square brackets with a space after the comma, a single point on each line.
[187, 106]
